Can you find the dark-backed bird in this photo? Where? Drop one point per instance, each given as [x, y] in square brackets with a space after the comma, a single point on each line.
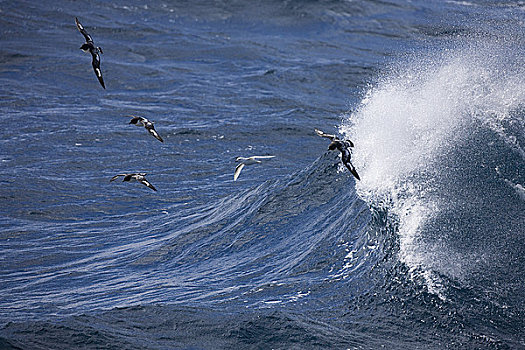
[344, 147]
[141, 121]
[90, 47]
[139, 177]
[247, 161]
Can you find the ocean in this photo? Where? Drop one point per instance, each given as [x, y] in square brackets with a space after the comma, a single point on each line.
[426, 251]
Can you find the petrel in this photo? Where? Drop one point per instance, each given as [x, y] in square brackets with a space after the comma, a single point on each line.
[247, 161]
[141, 121]
[139, 177]
[90, 47]
[343, 147]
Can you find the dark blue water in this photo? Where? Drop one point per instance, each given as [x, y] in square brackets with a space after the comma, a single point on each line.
[426, 252]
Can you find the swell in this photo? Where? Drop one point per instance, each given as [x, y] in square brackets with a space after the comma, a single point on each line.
[282, 237]
[270, 238]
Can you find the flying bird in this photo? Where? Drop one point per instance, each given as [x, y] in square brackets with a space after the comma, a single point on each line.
[343, 147]
[141, 121]
[247, 161]
[90, 47]
[139, 177]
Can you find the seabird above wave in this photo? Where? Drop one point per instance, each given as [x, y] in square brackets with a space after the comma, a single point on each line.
[247, 161]
[343, 147]
[139, 177]
[141, 121]
[90, 47]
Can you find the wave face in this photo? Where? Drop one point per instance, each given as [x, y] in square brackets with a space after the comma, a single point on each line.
[425, 252]
[439, 144]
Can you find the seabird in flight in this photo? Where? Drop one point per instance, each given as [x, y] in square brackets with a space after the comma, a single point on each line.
[247, 161]
[139, 177]
[141, 121]
[90, 47]
[343, 147]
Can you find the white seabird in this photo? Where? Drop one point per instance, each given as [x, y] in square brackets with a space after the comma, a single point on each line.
[247, 161]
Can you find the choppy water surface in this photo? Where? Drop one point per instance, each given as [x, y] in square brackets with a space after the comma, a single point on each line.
[426, 252]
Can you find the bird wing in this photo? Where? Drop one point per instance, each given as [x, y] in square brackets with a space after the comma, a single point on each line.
[96, 67]
[155, 134]
[262, 157]
[238, 169]
[83, 31]
[116, 176]
[146, 183]
[322, 134]
[134, 119]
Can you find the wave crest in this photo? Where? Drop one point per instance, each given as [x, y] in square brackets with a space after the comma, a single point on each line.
[410, 129]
